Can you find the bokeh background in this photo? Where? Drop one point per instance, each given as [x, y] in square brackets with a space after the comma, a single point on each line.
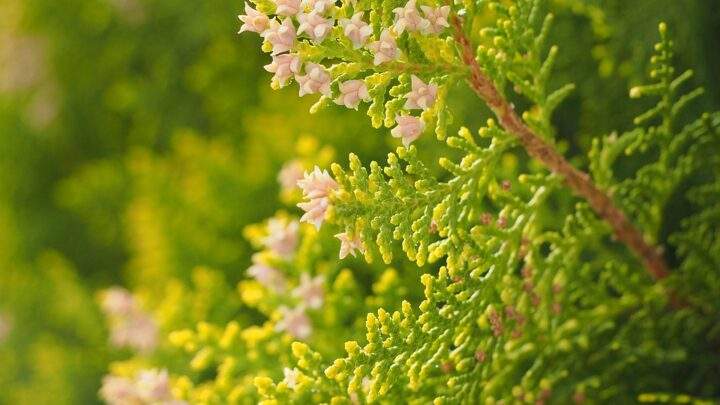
[138, 138]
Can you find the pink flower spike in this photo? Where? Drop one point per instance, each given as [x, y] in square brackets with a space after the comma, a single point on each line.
[422, 96]
[409, 128]
[357, 30]
[315, 80]
[409, 18]
[281, 36]
[310, 291]
[349, 245]
[287, 8]
[253, 20]
[437, 18]
[295, 322]
[314, 25]
[284, 66]
[351, 93]
[385, 49]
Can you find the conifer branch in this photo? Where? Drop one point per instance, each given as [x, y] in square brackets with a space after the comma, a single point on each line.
[578, 181]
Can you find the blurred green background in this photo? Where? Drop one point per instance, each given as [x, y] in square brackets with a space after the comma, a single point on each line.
[139, 137]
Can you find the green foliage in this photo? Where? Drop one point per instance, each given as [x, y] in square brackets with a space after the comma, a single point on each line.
[145, 140]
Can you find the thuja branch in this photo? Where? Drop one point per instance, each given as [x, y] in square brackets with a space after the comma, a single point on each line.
[536, 147]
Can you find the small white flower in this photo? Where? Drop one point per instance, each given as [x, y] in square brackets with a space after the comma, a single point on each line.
[284, 66]
[349, 245]
[291, 377]
[269, 277]
[409, 18]
[315, 80]
[253, 20]
[314, 25]
[357, 30]
[118, 301]
[409, 128]
[295, 322]
[437, 18]
[281, 36]
[422, 95]
[287, 8]
[290, 174]
[282, 237]
[351, 93]
[320, 6]
[310, 290]
[385, 49]
[119, 391]
[153, 386]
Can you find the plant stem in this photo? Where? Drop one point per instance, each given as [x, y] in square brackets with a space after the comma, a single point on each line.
[536, 147]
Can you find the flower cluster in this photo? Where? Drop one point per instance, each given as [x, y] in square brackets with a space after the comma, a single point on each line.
[315, 19]
[149, 387]
[130, 326]
[281, 242]
[316, 186]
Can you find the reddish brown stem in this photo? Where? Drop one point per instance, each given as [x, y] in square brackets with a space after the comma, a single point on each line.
[536, 147]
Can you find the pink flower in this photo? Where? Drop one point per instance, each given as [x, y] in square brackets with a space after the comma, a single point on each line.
[130, 326]
[409, 128]
[315, 211]
[282, 237]
[314, 25]
[295, 322]
[315, 80]
[119, 391]
[287, 8]
[290, 174]
[153, 385]
[269, 277]
[357, 30]
[118, 301]
[317, 184]
[149, 387]
[291, 376]
[253, 20]
[409, 18]
[349, 245]
[422, 95]
[284, 66]
[281, 36]
[320, 6]
[351, 93]
[316, 187]
[310, 291]
[138, 332]
[385, 50]
[437, 18]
